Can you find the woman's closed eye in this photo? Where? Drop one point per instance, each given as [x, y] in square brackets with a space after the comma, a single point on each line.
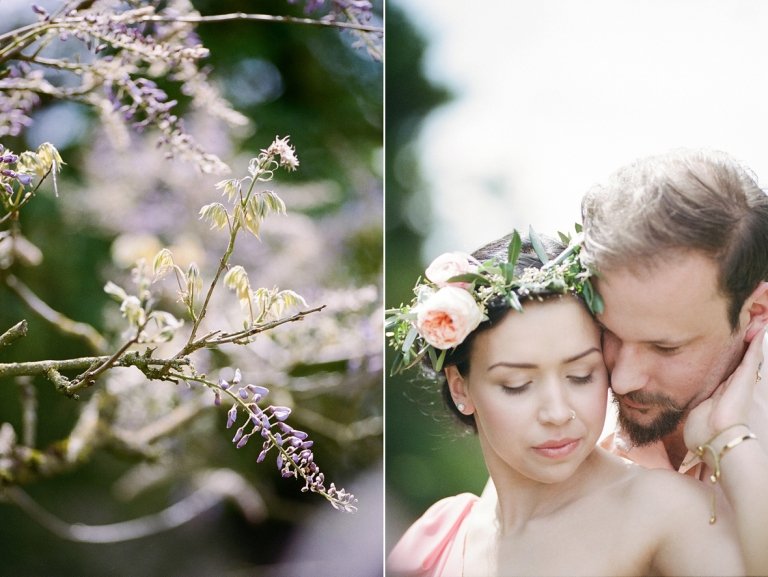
[580, 380]
[515, 389]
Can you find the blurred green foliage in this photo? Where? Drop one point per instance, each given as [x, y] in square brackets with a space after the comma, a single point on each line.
[428, 456]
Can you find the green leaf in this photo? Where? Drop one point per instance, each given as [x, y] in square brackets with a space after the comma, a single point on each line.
[397, 364]
[597, 306]
[162, 263]
[216, 215]
[409, 339]
[432, 356]
[392, 320]
[515, 246]
[470, 277]
[538, 248]
[508, 271]
[440, 360]
[514, 302]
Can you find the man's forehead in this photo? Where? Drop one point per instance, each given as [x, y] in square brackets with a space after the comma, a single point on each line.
[630, 328]
[671, 301]
[669, 276]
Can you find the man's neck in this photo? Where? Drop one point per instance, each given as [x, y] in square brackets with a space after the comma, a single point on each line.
[675, 446]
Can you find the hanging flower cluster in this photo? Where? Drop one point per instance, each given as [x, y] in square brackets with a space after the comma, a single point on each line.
[293, 447]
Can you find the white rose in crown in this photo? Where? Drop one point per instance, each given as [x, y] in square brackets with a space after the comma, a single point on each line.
[446, 318]
[448, 265]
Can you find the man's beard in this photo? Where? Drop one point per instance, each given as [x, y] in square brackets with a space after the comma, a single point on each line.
[665, 423]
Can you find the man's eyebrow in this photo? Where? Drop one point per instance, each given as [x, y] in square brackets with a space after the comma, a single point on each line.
[576, 357]
[660, 342]
[671, 343]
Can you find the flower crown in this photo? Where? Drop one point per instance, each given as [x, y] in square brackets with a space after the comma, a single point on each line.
[453, 297]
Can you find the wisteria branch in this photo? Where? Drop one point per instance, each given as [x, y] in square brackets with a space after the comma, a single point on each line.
[20, 37]
[37, 368]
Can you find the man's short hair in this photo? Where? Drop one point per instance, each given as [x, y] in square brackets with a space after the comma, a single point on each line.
[697, 200]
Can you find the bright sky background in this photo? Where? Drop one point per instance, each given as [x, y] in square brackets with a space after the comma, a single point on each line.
[553, 95]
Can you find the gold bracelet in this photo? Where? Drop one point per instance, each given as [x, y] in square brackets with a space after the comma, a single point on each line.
[716, 435]
[734, 442]
[714, 477]
[716, 458]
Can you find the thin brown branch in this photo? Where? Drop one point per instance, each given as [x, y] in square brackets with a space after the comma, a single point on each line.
[177, 514]
[16, 332]
[164, 426]
[25, 35]
[339, 432]
[241, 335]
[28, 395]
[36, 368]
[90, 375]
[60, 321]
[262, 18]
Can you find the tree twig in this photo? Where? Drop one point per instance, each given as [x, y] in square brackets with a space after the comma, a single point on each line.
[36, 368]
[181, 512]
[234, 337]
[31, 31]
[16, 332]
[63, 323]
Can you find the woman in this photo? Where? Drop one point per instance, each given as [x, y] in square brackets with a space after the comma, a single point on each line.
[520, 360]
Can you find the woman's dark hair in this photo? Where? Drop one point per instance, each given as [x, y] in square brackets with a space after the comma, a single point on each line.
[496, 250]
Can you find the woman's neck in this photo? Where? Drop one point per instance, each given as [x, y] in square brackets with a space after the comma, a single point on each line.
[521, 499]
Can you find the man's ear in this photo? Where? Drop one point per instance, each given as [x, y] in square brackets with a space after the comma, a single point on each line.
[757, 307]
[458, 387]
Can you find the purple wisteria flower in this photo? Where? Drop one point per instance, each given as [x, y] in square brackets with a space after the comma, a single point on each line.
[293, 447]
[8, 175]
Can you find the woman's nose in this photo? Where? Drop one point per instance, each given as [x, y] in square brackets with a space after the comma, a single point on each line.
[554, 408]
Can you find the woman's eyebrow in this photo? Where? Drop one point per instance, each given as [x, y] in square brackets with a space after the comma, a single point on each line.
[576, 357]
[581, 355]
[505, 364]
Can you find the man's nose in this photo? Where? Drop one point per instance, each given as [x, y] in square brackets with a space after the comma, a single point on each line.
[627, 365]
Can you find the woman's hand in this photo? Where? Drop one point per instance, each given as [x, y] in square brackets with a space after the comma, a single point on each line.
[730, 403]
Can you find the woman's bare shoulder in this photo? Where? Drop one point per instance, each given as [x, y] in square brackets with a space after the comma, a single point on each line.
[663, 488]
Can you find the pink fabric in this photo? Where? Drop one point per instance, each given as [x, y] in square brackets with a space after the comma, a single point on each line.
[433, 545]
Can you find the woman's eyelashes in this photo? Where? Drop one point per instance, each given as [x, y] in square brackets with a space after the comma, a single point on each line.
[521, 388]
[515, 389]
[581, 380]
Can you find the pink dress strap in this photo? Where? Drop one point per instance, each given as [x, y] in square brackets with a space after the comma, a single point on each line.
[432, 546]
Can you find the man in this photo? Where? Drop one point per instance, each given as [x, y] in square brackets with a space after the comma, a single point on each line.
[680, 245]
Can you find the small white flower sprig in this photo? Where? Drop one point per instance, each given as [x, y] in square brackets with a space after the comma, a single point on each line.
[453, 297]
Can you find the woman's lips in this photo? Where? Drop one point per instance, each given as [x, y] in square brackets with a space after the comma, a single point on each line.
[557, 449]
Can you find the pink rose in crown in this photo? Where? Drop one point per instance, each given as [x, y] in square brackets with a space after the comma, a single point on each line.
[448, 265]
[446, 318]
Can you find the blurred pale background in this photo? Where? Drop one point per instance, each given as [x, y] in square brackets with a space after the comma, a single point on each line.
[551, 96]
[539, 101]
